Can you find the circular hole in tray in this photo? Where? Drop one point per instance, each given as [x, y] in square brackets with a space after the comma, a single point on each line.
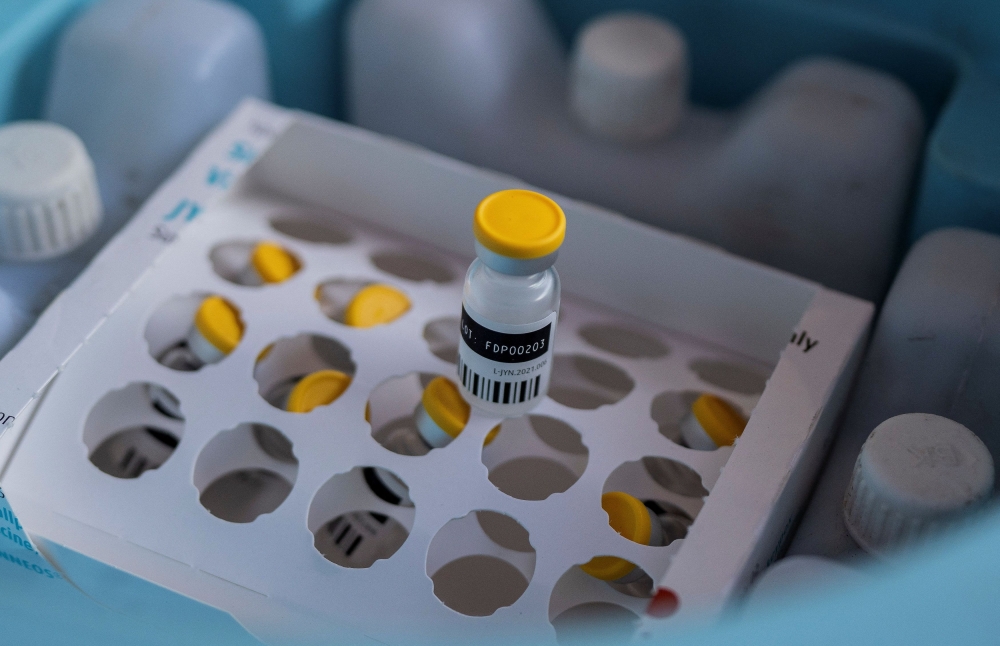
[311, 226]
[595, 622]
[245, 472]
[672, 409]
[729, 376]
[534, 456]
[133, 430]
[234, 261]
[303, 372]
[174, 339]
[394, 410]
[623, 341]
[480, 562]
[361, 516]
[584, 609]
[584, 382]
[410, 266]
[671, 491]
[361, 303]
[442, 336]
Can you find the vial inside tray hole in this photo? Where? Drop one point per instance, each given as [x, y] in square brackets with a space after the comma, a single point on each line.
[298, 374]
[666, 491]
[361, 516]
[585, 609]
[697, 420]
[133, 430]
[584, 382]
[189, 332]
[361, 303]
[245, 472]
[623, 341]
[413, 414]
[480, 562]
[311, 226]
[534, 456]
[729, 376]
[442, 336]
[411, 266]
[253, 263]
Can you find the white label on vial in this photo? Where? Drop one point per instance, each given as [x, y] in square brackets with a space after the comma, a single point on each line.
[502, 363]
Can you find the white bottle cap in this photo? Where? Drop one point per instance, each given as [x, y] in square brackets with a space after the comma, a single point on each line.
[916, 473]
[628, 78]
[49, 203]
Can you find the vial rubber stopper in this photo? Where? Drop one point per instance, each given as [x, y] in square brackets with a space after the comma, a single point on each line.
[916, 473]
[49, 201]
[628, 78]
[712, 423]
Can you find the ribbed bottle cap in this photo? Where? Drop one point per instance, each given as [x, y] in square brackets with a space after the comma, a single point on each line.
[628, 79]
[916, 473]
[49, 202]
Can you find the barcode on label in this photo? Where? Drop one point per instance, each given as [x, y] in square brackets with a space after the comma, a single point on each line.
[498, 392]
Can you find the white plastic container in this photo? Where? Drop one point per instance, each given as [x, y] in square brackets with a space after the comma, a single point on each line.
[141, 81]
[700, 324]
[811, 175]
[935, 350]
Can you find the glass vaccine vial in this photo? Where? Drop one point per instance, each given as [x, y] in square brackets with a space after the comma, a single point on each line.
[510, 303]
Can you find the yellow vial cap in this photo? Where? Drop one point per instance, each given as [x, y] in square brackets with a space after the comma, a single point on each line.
[375, 305]
[519, 224]
[492, 435]
[445, 406]
[273, 263]
[719, 419]
[630, 518]
[219, 323]
[317, 389]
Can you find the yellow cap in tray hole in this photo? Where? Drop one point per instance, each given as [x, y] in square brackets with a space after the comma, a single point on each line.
[630, 518]
[519, 224]
[272, 262]
[719, 419]
[444, 405]
[317, 389]
[492, 435]
[375, 305]
[218, 322]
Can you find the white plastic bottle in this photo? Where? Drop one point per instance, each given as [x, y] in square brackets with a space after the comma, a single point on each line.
[141, 81]
[935, 353]
[510, 303]
[819, 161]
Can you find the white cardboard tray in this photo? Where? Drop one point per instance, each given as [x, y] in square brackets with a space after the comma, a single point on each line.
[703, 303]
